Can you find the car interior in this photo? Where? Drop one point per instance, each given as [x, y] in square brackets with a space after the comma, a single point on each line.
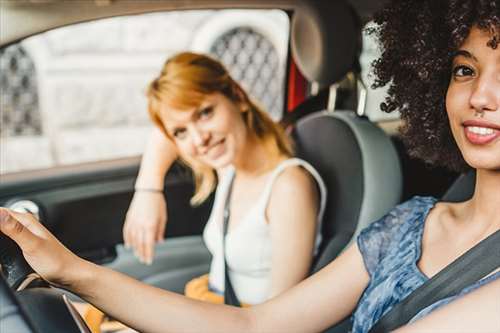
[362, 160]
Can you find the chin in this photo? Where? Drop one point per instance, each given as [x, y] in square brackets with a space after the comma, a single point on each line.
[221, 162]
[484, 162]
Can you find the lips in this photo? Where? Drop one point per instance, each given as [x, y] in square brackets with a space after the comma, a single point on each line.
[215, 150]
[481, 132]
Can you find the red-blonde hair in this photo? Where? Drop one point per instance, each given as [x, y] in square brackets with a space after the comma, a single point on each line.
[184, 82]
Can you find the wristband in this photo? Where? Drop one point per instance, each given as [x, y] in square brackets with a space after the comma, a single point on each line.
[145, 189]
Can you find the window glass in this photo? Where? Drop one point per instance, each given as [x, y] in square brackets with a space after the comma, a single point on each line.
[370, 52]
[77, 94]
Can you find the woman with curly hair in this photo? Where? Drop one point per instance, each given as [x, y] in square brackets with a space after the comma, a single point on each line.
[442, 61]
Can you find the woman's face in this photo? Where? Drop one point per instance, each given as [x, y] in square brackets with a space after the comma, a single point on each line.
[473, 101]
[213, 134]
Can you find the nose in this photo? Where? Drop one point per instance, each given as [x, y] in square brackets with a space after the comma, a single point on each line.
[199, 137]
[486, 94]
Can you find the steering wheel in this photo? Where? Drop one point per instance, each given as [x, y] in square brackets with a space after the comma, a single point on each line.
[31, 305]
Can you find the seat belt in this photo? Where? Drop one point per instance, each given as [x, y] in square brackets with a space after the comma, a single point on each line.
[469, 268]
[230, 297]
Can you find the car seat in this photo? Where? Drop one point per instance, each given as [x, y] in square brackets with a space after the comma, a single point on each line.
[356, 159]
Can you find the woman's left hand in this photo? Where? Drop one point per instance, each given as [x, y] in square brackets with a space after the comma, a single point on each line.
[44, 253]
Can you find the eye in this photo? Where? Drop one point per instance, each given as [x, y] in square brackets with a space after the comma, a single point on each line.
[179, 133]
[461, 71]
[205, 113]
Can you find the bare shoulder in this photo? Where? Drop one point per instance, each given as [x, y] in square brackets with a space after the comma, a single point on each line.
[294, 194]
[296, 179]
[443, 219]
[296, 184]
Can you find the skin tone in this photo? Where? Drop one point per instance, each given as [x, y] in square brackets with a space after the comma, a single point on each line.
[472, 102]
[313, 305]
[146, 217]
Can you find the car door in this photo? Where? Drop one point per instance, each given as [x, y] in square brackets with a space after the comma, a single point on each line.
[75, 123]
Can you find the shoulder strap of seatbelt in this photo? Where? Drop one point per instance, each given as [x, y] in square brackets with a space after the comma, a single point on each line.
[469, 268]
[230, 297]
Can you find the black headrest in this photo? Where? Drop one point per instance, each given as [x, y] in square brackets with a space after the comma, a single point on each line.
[326, 40]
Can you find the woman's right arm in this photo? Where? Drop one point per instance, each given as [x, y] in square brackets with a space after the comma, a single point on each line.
[147, 215]
[313, 305]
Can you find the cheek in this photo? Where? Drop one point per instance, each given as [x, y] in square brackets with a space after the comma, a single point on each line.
[233, 125]
[457, 102]
[185, 148]
[450, 102]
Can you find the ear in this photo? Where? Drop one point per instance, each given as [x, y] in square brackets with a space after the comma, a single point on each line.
[241, 98]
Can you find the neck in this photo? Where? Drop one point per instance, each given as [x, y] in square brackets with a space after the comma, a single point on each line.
[255, 158]
[484, 207]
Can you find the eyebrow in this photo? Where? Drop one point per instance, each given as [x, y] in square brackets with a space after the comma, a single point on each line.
[463, 53]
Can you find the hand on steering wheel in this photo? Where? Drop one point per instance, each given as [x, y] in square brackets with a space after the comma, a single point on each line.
[145, 224]
[44, 253]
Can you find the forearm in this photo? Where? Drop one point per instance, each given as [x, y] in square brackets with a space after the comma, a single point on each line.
[150, 309]
[158, 157]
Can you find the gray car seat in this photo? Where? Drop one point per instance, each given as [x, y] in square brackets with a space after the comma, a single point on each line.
[361, 170]
[356, 159]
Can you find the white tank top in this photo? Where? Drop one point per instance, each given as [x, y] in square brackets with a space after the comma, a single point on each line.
[248, 245]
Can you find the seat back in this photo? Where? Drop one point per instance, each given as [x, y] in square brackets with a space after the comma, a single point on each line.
[361, 170]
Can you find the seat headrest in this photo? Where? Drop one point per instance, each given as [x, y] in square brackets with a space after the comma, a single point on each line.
[326, 40]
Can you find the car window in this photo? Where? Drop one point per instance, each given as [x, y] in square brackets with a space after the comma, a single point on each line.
[374, 97]
[76, 94]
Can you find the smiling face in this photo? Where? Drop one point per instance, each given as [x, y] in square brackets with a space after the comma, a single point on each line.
[213, 134]
[473, 101]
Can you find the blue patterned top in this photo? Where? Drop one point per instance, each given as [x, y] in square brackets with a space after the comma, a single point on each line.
[391, 248]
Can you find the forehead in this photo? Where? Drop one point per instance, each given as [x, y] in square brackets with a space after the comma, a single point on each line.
[477, 41]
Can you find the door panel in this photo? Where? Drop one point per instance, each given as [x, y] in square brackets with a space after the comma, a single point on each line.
[85, 206]
[176, 261]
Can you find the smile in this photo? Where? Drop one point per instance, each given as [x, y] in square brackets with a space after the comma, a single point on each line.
[215, 150]
[481, 130]
[481, 133]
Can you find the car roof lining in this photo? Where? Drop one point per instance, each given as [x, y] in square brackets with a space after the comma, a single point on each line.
[45, 15]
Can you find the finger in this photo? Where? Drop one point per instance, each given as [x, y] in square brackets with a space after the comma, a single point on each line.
[160, 234]
[141, 240]
[30, 222]
[126, 234]
[149, 247]
[136, 240]
[14, 229]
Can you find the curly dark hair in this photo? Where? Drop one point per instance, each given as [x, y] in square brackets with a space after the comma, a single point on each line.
[418, 39]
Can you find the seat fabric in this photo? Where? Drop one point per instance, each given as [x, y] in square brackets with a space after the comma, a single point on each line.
[361, 170]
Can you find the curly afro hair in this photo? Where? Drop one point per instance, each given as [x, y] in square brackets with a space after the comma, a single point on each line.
[418, 39]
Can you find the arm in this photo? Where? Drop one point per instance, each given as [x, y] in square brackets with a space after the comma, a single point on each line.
[293, 231]
[478, 311]
[313, 305]
[147, 215]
